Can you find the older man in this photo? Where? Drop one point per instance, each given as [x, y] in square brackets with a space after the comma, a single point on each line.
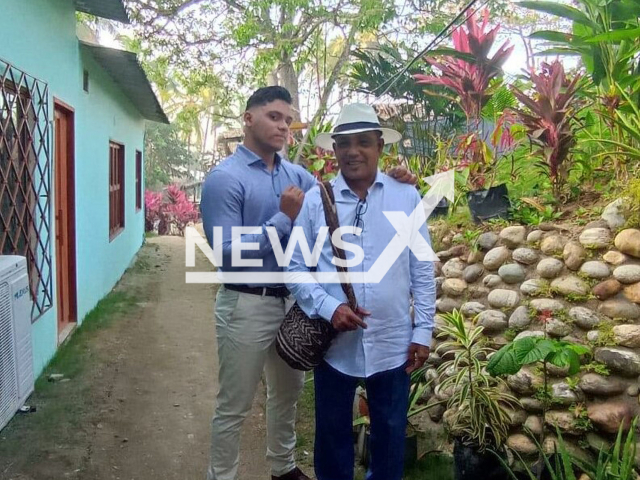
[379, 342]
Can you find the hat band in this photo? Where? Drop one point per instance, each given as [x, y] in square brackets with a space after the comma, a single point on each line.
[355, 126]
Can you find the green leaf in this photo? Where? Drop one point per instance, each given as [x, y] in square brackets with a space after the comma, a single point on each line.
[615, 36]
[566, 358]
[625, 11]
[553, 36]
[503, 362]
[579, 349]
[599, 66]
[559, 10]
[565, 459]
[581, 31]
[539, 352]
[451, 52]
[558, 51]
[318, 165]
[574, 362]
[523, 346]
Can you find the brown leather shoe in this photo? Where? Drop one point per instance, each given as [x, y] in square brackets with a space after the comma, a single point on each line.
[295, 474]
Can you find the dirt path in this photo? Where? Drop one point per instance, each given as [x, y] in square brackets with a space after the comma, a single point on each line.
[140, 407]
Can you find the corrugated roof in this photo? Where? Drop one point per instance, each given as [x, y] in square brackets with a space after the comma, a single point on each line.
[111, 9]
[127, 73]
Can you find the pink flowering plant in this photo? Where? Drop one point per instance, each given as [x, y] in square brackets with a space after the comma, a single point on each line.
[470, 73]
[153, 210]
[549, 118]
[169, 211]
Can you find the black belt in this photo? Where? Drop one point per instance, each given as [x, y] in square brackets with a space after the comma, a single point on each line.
[266, 291]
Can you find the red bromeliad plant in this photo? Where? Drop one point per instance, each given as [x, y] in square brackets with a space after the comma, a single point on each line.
[550, 119]
[470, 76]
[179, 209]
[153, 210]
[169, 212]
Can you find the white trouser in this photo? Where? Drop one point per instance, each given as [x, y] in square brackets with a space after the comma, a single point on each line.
[246, 327]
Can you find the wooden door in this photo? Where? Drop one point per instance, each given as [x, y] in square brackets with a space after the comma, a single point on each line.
[65, 219]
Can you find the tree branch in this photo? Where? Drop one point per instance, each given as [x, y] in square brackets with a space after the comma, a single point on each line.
[166, 12]
[328, 87]
[302, 39]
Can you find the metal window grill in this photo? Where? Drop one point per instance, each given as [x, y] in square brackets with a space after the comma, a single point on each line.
[25, 165]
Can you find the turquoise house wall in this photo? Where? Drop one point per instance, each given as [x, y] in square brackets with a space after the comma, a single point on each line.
[104, 115]
[39, 37]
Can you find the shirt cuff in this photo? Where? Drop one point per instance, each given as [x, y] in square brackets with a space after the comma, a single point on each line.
[328, 307]
[422, 336]
[282, 222]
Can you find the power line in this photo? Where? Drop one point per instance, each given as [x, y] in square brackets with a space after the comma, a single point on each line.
[444, 33]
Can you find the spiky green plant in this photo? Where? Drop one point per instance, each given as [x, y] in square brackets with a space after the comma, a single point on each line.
[616, 463]
[606, 35]
[479, 402]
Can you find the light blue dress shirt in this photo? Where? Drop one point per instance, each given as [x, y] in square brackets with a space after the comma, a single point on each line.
[384, 344]
[241, 191]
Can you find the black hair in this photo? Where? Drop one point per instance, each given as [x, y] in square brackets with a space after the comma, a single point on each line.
[266, 95]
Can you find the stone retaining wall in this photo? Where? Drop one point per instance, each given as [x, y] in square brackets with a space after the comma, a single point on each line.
[585, 284]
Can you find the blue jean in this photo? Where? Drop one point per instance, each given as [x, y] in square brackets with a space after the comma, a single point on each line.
[388, 397]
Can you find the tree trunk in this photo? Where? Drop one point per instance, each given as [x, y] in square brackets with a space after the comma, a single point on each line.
[272, 78]
[207, 127]
[214, 150]
[289, 80]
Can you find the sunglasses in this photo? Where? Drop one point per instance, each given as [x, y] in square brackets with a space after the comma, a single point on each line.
[361, 209]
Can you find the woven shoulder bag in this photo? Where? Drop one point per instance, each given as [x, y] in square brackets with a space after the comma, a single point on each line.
[302, 342]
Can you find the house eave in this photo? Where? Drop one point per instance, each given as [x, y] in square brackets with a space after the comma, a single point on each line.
[110, 9]
[127, 73]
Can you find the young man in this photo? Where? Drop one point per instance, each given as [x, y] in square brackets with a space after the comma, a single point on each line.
[255, 187]
[377, 342]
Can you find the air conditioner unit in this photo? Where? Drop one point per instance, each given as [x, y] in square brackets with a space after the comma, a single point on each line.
[16, 354]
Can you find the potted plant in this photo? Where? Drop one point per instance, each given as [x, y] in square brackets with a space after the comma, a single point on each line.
[468, 71]
[417, 387]
[477, 415]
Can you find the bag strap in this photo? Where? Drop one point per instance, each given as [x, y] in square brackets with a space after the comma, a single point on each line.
[331, 216]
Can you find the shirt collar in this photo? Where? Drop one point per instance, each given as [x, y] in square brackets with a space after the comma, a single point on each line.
[341, 184]
[251, 157]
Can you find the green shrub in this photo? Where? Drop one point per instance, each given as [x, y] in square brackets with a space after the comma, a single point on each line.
[631, 204]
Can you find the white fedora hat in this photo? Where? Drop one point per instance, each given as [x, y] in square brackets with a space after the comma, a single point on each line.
[357, 118]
